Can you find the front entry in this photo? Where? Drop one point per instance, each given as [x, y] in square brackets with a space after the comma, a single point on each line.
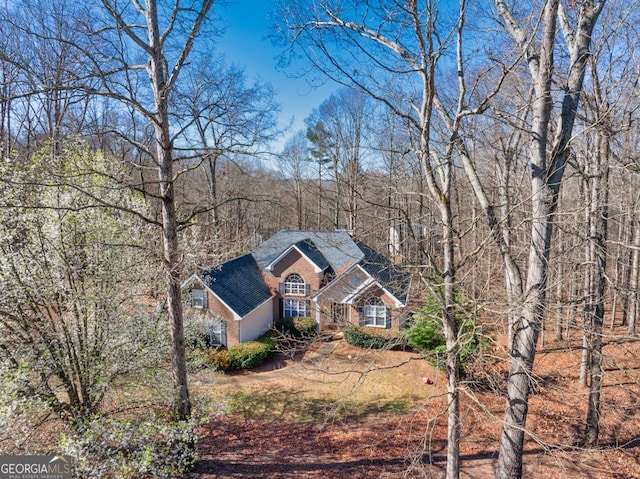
[339, 313]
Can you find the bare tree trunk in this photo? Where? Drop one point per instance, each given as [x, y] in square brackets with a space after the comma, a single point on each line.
[626, 268]
[171, 258]
[319, 212]
[598, 264]
[547, 171]
[172, 278]
[162, 82]
[451, 336]
[212, 163]
[616, 279]
[559, 309]
[588, 278]
[635, 264]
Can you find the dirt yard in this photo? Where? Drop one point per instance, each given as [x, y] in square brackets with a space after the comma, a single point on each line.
[343, 412]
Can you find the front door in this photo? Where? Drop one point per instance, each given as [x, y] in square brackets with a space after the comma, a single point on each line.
[339, 313]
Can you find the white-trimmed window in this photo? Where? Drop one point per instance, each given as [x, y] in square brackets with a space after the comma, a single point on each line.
[294, 285]
[374, 313]
[198, 298]
[295, 307]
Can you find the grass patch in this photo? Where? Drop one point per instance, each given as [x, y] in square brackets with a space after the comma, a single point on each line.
[268, 403]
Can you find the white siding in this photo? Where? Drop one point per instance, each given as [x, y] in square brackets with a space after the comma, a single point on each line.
[256, 322]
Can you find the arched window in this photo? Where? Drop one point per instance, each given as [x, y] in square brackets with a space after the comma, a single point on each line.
[374, 313]
[294, 285]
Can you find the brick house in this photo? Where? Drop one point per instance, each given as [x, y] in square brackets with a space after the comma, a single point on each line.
[329, 276]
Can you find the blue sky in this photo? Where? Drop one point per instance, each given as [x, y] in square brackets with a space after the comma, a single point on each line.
[245, 44]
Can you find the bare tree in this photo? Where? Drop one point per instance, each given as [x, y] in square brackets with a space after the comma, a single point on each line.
[407, 41]
[223, 116]
[295, 163]
[548, 158]
[337, 130]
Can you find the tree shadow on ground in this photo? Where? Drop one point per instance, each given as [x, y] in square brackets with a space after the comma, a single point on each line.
[271, 403]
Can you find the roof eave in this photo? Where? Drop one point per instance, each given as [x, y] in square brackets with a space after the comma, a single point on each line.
[194, 278]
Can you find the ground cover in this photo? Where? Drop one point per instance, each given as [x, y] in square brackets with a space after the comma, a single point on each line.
[341, 411]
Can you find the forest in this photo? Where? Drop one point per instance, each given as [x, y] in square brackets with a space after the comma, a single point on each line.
[490, 147]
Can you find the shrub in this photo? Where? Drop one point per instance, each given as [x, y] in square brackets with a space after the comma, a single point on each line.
[298, 326]
[220, 359]
[427, 334]
[372, 338]
[253, 353]
[125, 449]
[248, 355]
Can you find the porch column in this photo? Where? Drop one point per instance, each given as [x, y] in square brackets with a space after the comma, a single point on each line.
[318, 315]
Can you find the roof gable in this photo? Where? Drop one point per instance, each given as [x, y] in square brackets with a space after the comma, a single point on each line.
[336, 247]
[393, 279]
[344, 288]
[372, 270]
[238, 283]
[309, 251]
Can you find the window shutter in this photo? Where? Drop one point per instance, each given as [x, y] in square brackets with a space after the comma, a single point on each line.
[307, 309]
[281, 288]
[205, 299]
[388, 319]
[223, 333]
[307, 289]
[280, 308]
[361, 320]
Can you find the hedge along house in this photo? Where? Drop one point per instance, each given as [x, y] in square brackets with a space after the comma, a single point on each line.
[328, 276]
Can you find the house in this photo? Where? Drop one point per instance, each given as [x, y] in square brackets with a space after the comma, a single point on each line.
[328, 276]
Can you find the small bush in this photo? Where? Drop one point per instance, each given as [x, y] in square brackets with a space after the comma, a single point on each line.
[426, 334]
[125, 449]
[372, 338]
[220, 359]
[298, 327]
[248, 355]
[253, 353]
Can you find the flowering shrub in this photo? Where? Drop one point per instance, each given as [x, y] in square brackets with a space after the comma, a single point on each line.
[124, 449]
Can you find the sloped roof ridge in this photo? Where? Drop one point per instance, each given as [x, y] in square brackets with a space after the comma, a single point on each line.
[238, 282]
[337, 247]
[396, 279]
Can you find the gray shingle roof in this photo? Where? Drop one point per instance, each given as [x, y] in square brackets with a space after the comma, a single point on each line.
[336, 247]
[395, 280]
[239, 283]
[309, 249]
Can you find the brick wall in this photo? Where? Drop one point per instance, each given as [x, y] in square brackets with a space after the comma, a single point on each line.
[215, 306]
[294, 262]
